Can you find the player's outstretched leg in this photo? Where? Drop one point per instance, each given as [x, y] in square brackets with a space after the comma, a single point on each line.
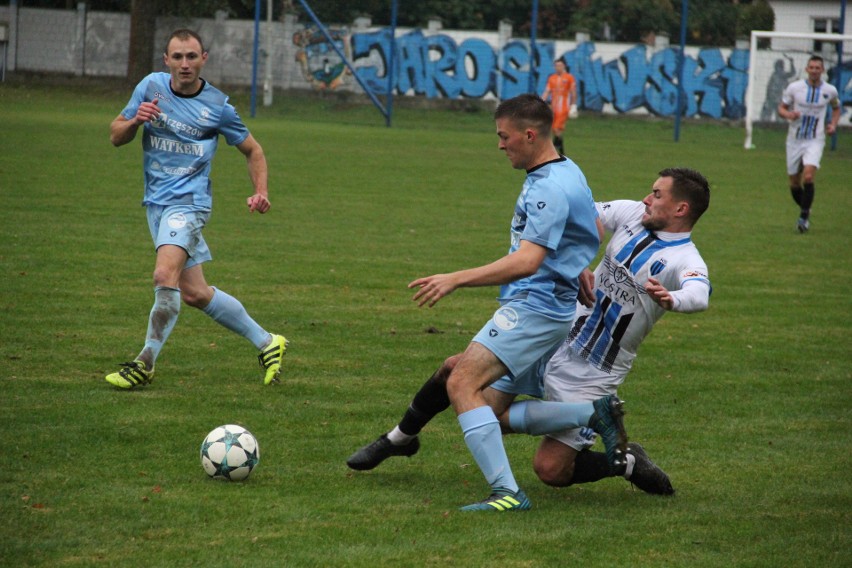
[376, 452]
[271, 356]
[132, 375]
[646, 475]
[608, 422]
[502, 500]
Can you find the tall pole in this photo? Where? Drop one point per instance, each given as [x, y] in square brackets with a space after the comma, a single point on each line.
[684, 17]
[533, 51]
[839, 66]
[254, 57]
[391, 62]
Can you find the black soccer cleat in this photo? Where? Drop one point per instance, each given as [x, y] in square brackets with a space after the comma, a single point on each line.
[375, 453]
[646, 475]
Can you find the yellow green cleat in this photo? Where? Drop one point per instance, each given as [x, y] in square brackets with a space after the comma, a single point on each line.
[271, 356]
[131, 375]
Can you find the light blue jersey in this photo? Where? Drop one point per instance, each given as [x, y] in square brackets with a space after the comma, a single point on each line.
[179, 146]
[556, 211]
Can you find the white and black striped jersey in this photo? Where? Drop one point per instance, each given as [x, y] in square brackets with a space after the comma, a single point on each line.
[608, 334]
[811, 102]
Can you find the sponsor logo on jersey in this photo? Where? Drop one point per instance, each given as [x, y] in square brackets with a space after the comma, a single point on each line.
[506, 318]
[617, 283]
[167, 145]
[541, 205]
[695, 274]
[178, 171]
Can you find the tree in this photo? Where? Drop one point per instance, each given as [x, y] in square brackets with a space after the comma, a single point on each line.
[143, 21]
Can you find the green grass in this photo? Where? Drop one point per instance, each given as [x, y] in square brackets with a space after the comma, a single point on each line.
[746, 405]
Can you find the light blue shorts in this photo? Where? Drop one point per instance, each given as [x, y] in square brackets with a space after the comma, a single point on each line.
[524, 341]
[180, 225]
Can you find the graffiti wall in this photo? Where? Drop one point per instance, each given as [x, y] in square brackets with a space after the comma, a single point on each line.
[611, 78]
[432, 63]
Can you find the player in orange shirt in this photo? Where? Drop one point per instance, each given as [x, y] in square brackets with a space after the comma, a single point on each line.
[561, 91]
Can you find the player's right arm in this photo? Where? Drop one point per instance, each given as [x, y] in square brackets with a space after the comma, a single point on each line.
[123, 130]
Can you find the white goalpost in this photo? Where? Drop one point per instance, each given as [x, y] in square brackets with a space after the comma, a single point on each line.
[782, 62]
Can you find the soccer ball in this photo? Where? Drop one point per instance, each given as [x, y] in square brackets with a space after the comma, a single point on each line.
[229, 452]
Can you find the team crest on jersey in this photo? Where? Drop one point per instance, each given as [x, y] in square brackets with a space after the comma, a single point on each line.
[205, 115]
[160, 121]
[506, 318]
[658, 266]
[177, 220]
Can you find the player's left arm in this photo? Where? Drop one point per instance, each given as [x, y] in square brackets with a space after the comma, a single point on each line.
[836, 111]
[258, 172]
[693, 296]
[514, 266]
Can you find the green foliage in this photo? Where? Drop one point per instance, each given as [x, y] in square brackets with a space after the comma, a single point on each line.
[745, 405]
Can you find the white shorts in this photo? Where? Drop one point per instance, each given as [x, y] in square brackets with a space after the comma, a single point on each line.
[802, 153]
[570, 378]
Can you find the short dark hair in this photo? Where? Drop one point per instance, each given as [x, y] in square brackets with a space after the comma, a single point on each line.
[183, 34]
[690, 186]
[817, 58]
[526, 111]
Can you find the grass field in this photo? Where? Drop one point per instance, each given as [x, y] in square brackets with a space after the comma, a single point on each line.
[747, 406]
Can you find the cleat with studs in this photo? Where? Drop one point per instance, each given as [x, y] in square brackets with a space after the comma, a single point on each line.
[271, 357]
[132, 375]
[608, 421]
[376, 452]
[501, 501]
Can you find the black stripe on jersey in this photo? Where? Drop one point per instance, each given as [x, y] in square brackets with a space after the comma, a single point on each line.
[615, 346]
[640, 246]
[578, 325]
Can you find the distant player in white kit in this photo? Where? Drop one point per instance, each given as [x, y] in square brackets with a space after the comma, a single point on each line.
[804, 104]
[180, 117]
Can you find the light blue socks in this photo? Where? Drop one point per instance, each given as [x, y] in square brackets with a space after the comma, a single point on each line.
[538, 417]
[228, 312]
[161, 321]
[485, 441]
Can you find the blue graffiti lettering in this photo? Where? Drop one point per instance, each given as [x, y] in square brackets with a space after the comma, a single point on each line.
[435, 66]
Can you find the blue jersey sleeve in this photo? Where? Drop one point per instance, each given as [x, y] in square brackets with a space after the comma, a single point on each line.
[232, 127]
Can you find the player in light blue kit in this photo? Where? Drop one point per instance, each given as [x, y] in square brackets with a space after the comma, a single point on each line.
[181, 117]
[554, 236]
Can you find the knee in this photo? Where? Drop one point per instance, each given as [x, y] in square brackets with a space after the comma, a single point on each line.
[164, 277]
[455, 387]
[553, 472]
[808, 177]
[196, 298]
[446, 369]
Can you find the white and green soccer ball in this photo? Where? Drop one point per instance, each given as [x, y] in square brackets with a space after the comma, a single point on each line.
[229, 452]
